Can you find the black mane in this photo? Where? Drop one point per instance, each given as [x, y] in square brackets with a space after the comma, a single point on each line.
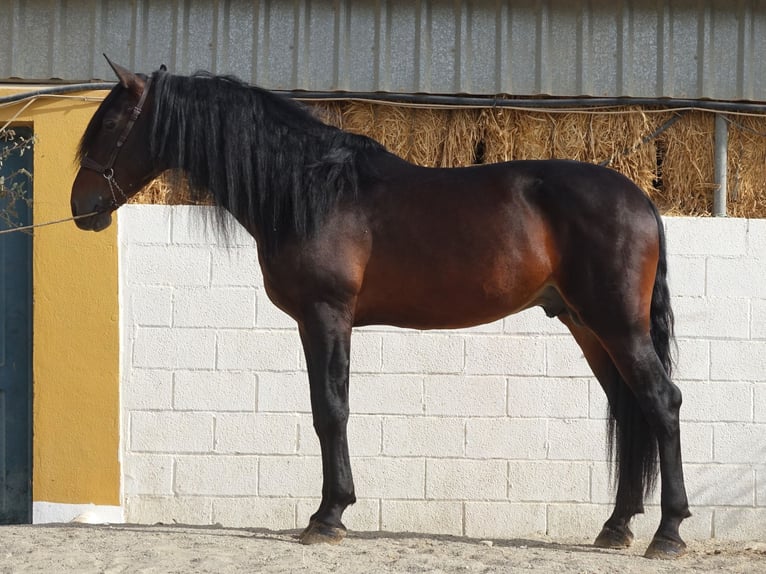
[263, 157]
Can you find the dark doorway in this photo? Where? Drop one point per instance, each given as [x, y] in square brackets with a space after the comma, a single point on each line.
[15, 337]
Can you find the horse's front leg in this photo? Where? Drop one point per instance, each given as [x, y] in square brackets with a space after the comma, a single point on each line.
[326, 336]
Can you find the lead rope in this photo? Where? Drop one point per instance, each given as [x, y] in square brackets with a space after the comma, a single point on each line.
[28, 227]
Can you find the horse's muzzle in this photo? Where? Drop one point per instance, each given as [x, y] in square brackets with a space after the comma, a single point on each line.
[93, 219]
[97, 222]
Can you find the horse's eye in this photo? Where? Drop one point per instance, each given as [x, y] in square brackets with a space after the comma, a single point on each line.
[110, 124]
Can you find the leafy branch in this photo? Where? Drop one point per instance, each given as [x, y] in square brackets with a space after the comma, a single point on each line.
[15, 187]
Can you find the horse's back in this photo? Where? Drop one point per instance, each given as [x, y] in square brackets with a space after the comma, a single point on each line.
[513, 200]
[558, 183]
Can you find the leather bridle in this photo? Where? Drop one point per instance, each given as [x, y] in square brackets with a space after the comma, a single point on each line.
[107, 169]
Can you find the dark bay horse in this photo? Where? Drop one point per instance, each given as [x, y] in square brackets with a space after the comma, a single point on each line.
[349, 234]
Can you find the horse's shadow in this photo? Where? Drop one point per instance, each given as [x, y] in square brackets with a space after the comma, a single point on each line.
[291, 536]
[519, 543]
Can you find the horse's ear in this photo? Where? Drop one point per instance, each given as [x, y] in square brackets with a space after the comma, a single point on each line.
[128, 79]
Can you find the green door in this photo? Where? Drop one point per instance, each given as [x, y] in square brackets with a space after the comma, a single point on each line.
[16, 349]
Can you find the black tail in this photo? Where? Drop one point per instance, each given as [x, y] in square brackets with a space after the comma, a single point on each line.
[631, 442]
[661, 312]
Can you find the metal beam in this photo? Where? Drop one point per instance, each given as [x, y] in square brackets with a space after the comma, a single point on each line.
[721, 160]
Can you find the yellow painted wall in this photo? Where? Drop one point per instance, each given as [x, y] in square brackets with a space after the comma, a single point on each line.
[76, 321]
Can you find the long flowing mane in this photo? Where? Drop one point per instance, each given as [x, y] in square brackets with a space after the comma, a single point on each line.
[262, 157]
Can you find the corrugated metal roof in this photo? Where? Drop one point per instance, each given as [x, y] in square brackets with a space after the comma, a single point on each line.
[643, 48]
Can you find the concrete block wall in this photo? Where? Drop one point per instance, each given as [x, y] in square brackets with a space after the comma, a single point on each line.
[496, 431]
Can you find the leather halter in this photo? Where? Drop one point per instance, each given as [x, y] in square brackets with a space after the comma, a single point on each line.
[107, 169]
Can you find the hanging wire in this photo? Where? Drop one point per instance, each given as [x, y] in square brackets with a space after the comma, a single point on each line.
[28, 228]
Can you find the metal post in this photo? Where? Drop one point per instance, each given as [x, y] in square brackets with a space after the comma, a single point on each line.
[721, 143]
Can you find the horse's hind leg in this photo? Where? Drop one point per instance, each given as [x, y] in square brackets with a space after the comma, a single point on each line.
[621, 294]
[660, 402]
[326, 337]
[616, 531]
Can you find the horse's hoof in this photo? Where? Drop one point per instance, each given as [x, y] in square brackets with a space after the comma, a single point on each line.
[318, 533]
[665, 549]
[614, 538]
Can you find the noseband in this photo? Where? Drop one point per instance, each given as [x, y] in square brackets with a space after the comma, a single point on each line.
[107, 169]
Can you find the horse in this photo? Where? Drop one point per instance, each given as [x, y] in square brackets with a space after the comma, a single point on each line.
[348, 234]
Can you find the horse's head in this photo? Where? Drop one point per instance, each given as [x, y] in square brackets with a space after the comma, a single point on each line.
[114, 154]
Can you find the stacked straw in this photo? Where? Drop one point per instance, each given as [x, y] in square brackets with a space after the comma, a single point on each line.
[675, 168]
[685, 166]
[424, 136]
[747, 166]
[614, 138]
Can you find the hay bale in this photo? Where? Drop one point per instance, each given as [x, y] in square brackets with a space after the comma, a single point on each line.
[167, 189]
[330, 112]
[157, 192]
[746, 183]
[622, 138]
[424, 136]
[463, 135]
[511, 134]
[615, 138]
[425, 131]
[686, 166]
[386, 124]
[498, 126]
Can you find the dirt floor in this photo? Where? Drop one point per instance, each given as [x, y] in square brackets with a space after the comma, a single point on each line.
[182, 549]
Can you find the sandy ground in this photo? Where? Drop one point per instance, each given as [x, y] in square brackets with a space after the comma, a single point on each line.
[179, 549]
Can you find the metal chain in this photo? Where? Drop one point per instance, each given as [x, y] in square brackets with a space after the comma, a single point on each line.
[109, 177]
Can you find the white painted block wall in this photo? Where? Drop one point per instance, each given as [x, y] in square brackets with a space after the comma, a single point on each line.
[496, 431]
